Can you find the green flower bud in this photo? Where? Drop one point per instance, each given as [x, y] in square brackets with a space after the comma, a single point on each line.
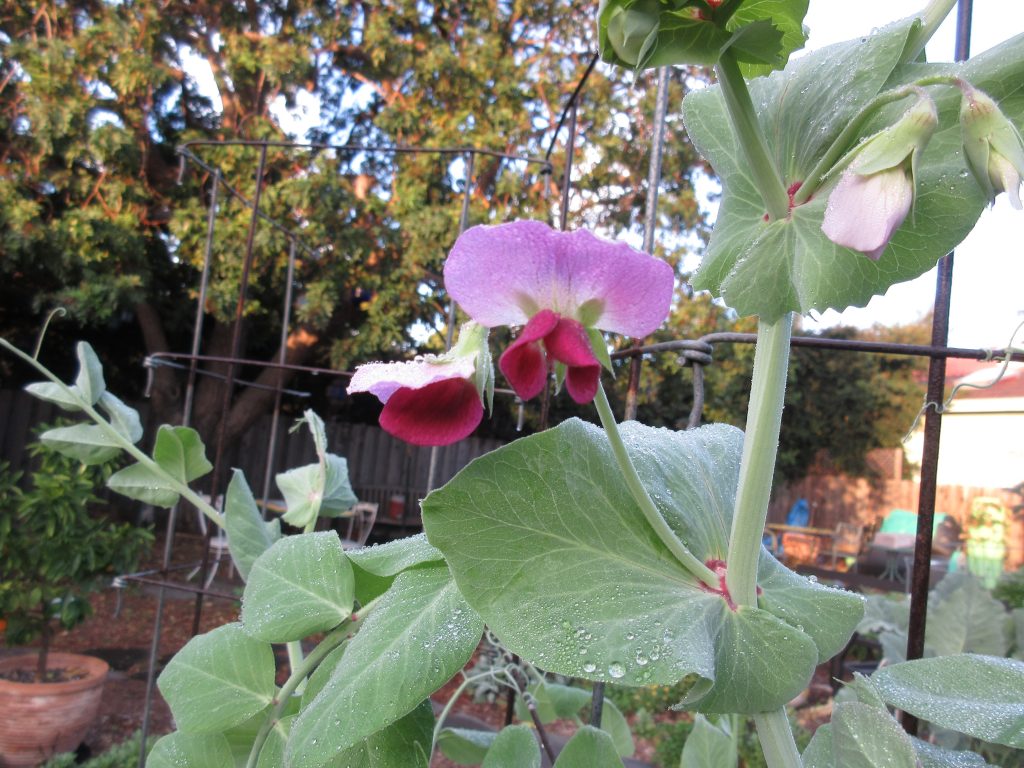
[632, 29]
[992, 145]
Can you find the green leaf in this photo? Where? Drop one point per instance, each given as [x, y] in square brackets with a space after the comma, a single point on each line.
[976, 695]
[123, 418]
[323, 672]
[708, 746]
[301, 585]
[932, 756]
[249, 535]
[272, 752]
[375, 567]
[218, 680]
[403, 744]
[55, 393]
[514, 747]
[589, 748]
[316, 489]
[143, 484]
[550, 548]
[818, 754]
[190, 750]
[866, 737]
[465, 746]
[613, 722]
[180, 452]
[1018, 623]
[420, 634]
[89, 381]
[89, 443]
[772, 268]
[553, 702]
[963, 617]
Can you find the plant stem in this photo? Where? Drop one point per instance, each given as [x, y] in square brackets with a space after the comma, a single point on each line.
[931, 18]
[443, 714]
[124, 443]
[760, 446]
[643, 499]
[776, 737]
[332, 640]
[751, 139]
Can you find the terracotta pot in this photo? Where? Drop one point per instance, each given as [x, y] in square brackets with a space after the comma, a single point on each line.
[42, 719]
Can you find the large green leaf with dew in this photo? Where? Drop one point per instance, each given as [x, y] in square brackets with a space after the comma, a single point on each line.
[272, 752]
[931, 756]
[552, 701]
[708, 746]
[316, 489]
[551, 549]
[301, 585]
[514, 747]
[420, 634]
[190, 750]
[181, 455]
[770, 268]
[323, 672]
[218, 680]
[963, 617]
[403, 744]
[249, 535]
[589, 748]
[977, 695]
[864, 736]
[465, 746]
[818, 753]
[375, 567]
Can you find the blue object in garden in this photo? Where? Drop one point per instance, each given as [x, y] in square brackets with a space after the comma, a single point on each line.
[799, 516]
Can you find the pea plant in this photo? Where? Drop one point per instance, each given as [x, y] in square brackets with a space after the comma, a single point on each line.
[621, 554]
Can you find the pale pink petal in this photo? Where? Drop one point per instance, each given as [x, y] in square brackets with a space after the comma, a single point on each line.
[438, 414]
[523, 363]
[504, 274]
[384, 379]
[864, 211]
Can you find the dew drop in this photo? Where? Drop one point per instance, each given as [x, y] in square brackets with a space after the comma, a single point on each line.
[616, 670]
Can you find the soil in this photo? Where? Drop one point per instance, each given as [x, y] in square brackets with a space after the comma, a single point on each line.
[52, 675]
[120, 632]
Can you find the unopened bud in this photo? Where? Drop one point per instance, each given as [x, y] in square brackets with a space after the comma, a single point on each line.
[992, 146]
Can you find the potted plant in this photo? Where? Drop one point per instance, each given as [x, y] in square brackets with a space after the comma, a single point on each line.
[54, 550]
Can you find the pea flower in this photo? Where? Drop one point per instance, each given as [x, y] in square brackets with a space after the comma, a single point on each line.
[876, 191]
[563, 286]
[435, 399]
[992, 145]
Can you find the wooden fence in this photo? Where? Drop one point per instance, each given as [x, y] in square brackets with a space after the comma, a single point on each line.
[834, 498]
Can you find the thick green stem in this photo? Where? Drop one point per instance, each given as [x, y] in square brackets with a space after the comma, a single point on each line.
[332, 640]
[751, 139]
[776, 737]
[124, 443]
[760, 446]
[643, 499]
[931, 19]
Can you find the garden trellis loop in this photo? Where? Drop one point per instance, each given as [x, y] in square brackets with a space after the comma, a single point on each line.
[697, 353]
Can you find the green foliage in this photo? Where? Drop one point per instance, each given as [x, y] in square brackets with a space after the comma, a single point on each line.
[55, 546]
[1010, 588]
[123, 755]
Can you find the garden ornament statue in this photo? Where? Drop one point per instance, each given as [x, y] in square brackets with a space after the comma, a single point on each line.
[625, 554]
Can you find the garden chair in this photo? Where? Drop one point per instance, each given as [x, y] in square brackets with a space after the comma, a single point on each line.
[847, 545]
[360, 523]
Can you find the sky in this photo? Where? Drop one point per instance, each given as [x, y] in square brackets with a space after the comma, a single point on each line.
[988, 271]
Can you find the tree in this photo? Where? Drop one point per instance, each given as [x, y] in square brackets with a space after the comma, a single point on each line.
[94, 97]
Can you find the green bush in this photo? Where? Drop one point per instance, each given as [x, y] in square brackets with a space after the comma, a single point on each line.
[123, 755]
[1010, 589]
[55, 549]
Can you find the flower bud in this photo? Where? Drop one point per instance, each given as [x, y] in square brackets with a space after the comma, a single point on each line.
[633, 28]
[876, 191]
[992, 146]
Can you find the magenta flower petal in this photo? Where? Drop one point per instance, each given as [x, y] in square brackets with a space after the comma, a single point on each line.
[438, 414]
[581, 382]
[523, 363]
[384, 379]
[864, 211]
[569, 343]
[504, 274]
